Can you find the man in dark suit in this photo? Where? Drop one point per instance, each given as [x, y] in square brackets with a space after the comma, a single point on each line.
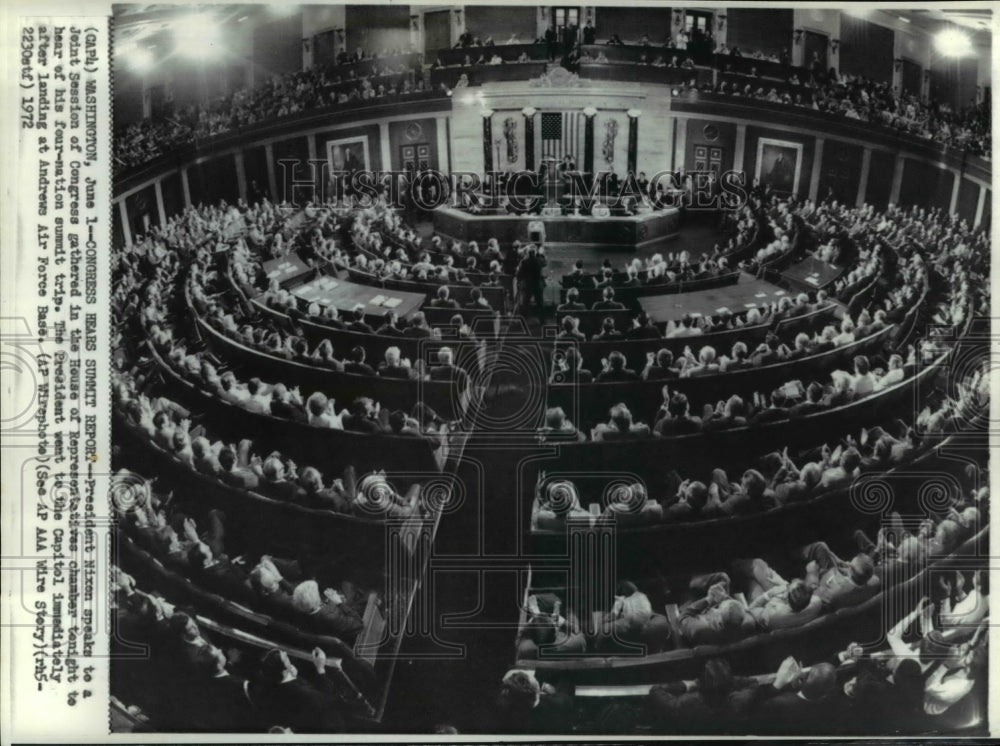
[356, 364]
[797, 703]
[576, 278]
[571, 330]
[608, 302]
[418, 327]
[621, 427]
[357, 323]
[531, 282]
[234, 475]
[275, 483]
[839, 584]
[305, 703]
[616, 372]
[287, 405]
[572, 302]
[813, 402]
[446, 370]
[678, 420]
[221, 701]
[363, 417]
[572, 370]
[643, 328]
[608, 332]
[774, 413]
[390, 326]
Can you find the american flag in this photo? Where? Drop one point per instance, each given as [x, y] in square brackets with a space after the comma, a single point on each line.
[562, 134]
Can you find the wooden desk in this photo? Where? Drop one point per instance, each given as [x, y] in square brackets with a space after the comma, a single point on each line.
[344, 296]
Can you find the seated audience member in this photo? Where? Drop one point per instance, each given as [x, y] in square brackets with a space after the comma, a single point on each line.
[525, 706]
[720, 697]
[608, 302]
[620, 427]
[630, 505]
[376, 498]
[731, 413]
[677, 420]
[737, 359]
[608, 331]
[751, 495]
[706, 364]
[559, 502]
[363, 417]
[811, 404]
[615, 370]
[774, 602]
[444, 299]
[356, 321]
[235, 474]
[837, 583]
[277, 481]
[571, 330]
[418, 327]
[572, 303]
[558, 429]
[687, 504]
[356, 364]
[631, 621]
[305, 700]
[446, 370]
[569, 368]
[546, 628]
[390, 325]
[773, 413]
[798, 702]
[659, 366]
[476, 301]
[322, 411]
[394, 366]
[717, 618]
[643, 328]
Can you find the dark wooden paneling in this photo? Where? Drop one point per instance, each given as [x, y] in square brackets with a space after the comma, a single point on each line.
[404, 133]
[255, 170]
[697, 137]
[632, 23]
[840, 171]
[500, 21]
[277, 46]
[374, 28]
[866, 49]
[213, 180]
[968, 200]
[768, 31]
[926, 185]
[173, 194]
[880, 179]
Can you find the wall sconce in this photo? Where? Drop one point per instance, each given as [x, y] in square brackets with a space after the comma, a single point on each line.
[722, 21]
[458, 17]
[340, 35]
[898, 64]
[306, 45]
[834, 45]
[632, 113]
[678, 17]
[529, 111]
[415, 23]
[590, 111]
[544, 11]
[487, 113]
[798, 35]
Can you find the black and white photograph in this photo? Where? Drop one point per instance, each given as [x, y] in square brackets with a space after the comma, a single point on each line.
[502, 372]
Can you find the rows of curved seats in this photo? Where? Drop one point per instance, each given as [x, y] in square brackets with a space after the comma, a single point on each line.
[645, 397]
[366, 452]
[495, 296]
[817, 639]
[653, 455]
[628, 295]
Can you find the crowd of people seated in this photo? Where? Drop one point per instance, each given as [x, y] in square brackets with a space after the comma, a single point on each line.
[389, 73]
[752, 596]
[778, 478]
[274, 475]
[195, 679]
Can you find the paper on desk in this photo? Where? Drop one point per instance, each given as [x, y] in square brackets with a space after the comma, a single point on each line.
[378, 300]
[392, 302]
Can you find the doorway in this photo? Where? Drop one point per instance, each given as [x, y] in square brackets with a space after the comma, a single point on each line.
[814, 54]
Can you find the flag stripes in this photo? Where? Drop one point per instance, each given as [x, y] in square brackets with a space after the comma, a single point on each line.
[562, 134]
